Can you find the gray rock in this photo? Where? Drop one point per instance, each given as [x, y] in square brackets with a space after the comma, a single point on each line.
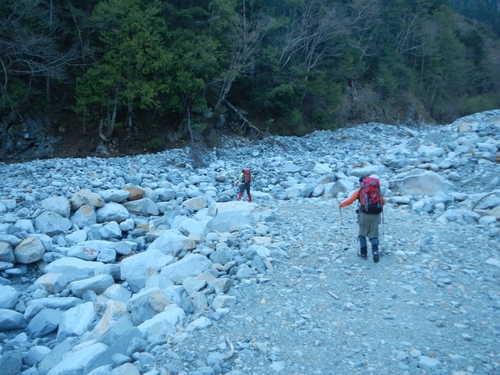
[56, 355]
[29, 251]
[34, 306]
[85, 197]
[190, 265]
[8, 297]
[223, 255]
[110, 230]
[125, 369]
[223, 222]
[138, 268]
[11, 362]
[76, 321]
[118, 340]
[98, 284]
[11, 320]
[73, 268]
[424, 183]
[112, 212]
[195, 204]
[51, 223]
[77, 362]
[162, 325]
[115, 195]
[44, 323]
[7, 252]
[35, 355]
[147, 304]
[118, 292]
[76, 237]
[429, 364]
[52, 283]
[59, 205]
[85, 216]
[170, 242]
[145, 207]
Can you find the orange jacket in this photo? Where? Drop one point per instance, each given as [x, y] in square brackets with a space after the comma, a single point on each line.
[352, 198]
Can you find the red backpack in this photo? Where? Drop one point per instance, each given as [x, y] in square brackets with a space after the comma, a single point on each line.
[247, 176]
[370, 197]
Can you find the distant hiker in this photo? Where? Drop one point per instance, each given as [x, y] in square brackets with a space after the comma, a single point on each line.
[370, 206]
[245, 180]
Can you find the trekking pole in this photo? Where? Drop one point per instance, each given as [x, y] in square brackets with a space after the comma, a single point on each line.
[341, 222]
[382, 228]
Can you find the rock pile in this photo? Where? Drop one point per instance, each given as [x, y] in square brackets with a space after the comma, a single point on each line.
[104, 260]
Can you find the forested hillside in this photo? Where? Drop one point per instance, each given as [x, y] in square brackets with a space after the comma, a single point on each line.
[160, 71]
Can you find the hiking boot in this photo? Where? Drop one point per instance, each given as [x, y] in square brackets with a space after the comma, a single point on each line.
[362, 256]
[375, 253]
[362, 253]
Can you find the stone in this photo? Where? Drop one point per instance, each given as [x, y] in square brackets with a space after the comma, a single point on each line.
[73, 268]
[77, 362]
[118, 292]
[144, 207]
[424, 183]
[11, 320]
[170, 242]
[223, 222]
[7, 252]
[163, 324]
[190, 265]
[115, 195]
[84, 216]
[44, 323]
[115, 311]
[56, 355]
[51, 223]
[34, 306]
[85, 197]
[76, 321]
[429, 364]
[134, 193]
[199, 324]
[29, 251]
[125, 369]
[35, 355]
[8, 297]
[138, 268]
[11, 362]
[112, 212]
[146, 304]
[195, 204]
[59, 205]
[97, 284]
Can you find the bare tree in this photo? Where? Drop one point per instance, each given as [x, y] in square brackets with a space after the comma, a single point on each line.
[311, 31]
[243, 40]
[364, 22]
[29, 47]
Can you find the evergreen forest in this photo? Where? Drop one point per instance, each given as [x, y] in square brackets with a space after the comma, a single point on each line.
[160, 71]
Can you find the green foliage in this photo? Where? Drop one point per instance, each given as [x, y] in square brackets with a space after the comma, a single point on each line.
[467, 106]
[292, 66]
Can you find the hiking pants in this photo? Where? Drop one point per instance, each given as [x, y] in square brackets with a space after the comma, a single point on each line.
[368, 228]
[245, 186]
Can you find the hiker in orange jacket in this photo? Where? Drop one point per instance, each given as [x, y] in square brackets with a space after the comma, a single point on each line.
[245, 180]
[368, 225]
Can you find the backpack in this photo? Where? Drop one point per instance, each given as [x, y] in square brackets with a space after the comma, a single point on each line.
[370, 197]
[246, 176]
